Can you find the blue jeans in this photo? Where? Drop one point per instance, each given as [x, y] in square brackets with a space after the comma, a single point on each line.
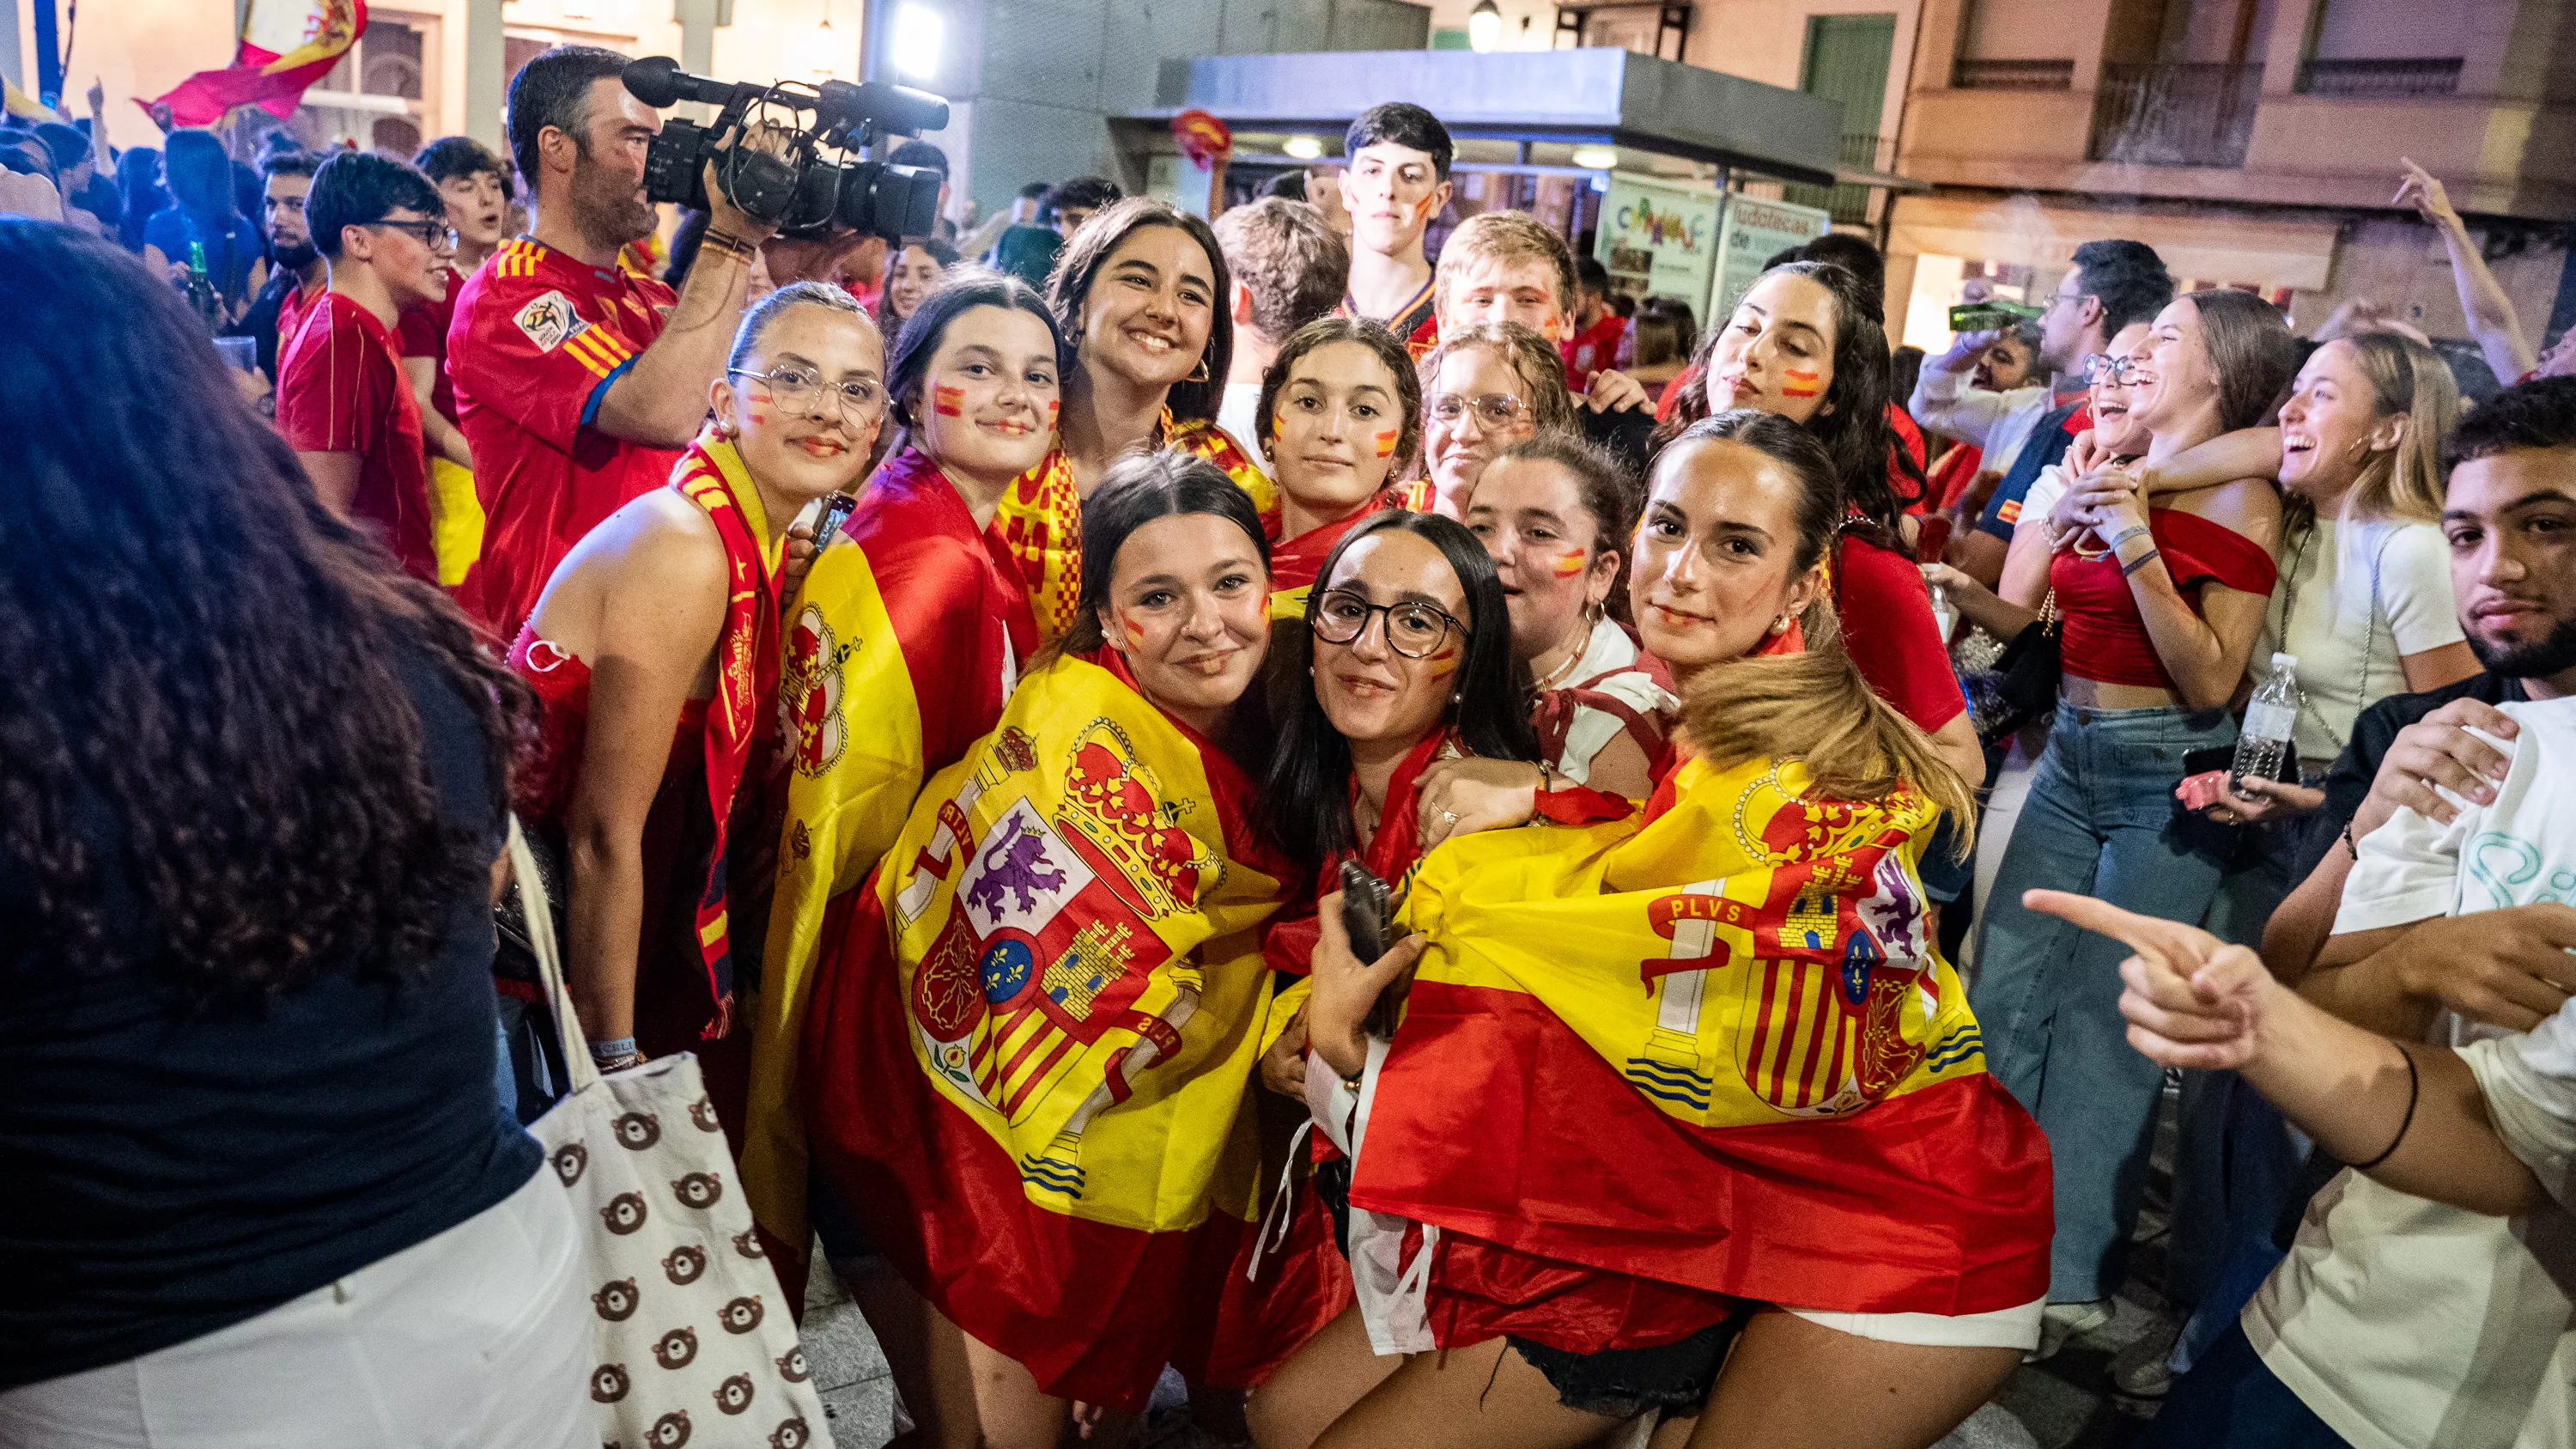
[2101, 821]
[2229, 1400]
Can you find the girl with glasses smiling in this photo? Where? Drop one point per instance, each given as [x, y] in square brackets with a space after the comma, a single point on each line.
[654, 654]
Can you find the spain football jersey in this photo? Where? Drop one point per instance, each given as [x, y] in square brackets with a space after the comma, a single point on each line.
[340, 389]
[537, 339]
[1417, 321]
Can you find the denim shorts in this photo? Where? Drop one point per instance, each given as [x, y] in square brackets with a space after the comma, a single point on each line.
[1621, 1383]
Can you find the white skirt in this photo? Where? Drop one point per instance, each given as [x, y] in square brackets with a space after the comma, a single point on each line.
[479, 1336]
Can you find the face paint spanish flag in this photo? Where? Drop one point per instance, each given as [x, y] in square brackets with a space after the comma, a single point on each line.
[901, 648]
[1028, 1063]
[1039, 519]
[1721, 1054]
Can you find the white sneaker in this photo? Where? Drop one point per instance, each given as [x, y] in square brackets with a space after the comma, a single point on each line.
[2062, 1321]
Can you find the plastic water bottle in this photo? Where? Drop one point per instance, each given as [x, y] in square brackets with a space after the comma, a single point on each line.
[2269, 718]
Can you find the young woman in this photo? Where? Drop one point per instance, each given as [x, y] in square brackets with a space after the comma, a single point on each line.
[1806, 344]
[1484, 388]
[2159, 614]
[1570, 1264]
[1052, 997]
[654, 654]
[258, 781]
[202, 211]
[902, 646]
[909, 276]
[1555, 514]
[1340, 413]
[1139, 297]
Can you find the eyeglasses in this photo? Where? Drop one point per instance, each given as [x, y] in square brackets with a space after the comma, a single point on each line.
[438, 236]
[796, 389]
[1412, 629]
[1492, 409]
[2119, 371]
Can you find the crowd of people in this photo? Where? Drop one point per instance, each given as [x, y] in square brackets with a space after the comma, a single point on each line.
[1046, 717]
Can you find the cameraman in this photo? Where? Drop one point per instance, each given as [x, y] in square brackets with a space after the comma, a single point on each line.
[577, 381]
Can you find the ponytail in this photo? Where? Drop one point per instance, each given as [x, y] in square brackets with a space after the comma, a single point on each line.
[1816, 709]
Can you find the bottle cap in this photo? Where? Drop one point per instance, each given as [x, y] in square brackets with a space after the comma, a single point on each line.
[2285, 661]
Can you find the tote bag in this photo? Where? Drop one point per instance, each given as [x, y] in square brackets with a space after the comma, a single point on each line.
[694, 1342]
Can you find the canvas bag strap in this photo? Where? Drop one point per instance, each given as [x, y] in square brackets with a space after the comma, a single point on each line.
[541, 943]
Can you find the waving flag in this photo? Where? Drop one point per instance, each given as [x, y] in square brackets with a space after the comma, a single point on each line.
[1721, 1053]
[1029, 1050]
[286, 46]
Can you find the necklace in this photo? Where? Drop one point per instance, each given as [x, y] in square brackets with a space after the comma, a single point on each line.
[1558, 675]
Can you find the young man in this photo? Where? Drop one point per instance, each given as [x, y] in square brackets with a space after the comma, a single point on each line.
[1395, 181]
[1287, 268]
[1597, 329]
[297, 276]
[1071, 203]
[476, 187]
[577, 381]
[2112, 284]
[1508, 266]
[983, 243]
[343, 402]
[2427, 1298]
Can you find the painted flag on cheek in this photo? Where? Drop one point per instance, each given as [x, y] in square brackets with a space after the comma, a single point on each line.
[1795, 383]
[948, 400]
[1761, 1080]
[1572, 563]
[1031, 1069]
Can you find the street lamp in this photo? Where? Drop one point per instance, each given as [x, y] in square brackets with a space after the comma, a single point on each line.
[1484, 26]
[823, 47]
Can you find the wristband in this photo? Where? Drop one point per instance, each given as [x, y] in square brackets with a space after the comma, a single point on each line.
[609, 1051]
[2414, 1090]
[732, 246]
[2141, 561]
[2134, 530]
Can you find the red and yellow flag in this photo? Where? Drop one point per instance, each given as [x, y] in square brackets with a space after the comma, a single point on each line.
[1720, 1052]
[900, 650]
[1039, 519]
[285, 47]
[1029, 1051]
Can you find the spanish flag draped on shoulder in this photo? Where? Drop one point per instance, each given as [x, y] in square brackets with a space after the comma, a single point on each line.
[1039, 521]
[901, 649]
[1029, 1051]
[1718, 1052]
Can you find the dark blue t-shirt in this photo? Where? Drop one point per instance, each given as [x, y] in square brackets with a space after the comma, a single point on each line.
[171, 1172]
[232, 245]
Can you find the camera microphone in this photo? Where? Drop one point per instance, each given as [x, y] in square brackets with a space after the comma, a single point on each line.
[658, 81]
[898, 109]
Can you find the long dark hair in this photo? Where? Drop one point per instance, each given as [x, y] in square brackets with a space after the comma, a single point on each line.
[196, 653]
[1134, 491]
[1308, 795]
[962, 290]
[940, 252]
[2250, 348]
[1853, 423]
[1078, 265]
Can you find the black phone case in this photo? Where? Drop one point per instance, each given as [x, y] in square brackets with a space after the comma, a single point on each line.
[1368, 916]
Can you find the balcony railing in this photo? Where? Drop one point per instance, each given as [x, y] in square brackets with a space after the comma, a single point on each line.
[1849, 204]
[2013, 75]
[2175, 115]
[2381, 80]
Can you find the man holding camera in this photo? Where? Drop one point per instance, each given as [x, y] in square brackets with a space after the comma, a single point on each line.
[578, 381]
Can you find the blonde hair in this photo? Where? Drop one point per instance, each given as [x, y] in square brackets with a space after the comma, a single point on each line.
[1507, 236]
[1532, 358]
[2406, 481]
[1816, 709]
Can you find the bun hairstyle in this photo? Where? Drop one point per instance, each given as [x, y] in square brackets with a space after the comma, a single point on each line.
[1324, 332]
[1812, 707]
[1309, 789]
[1609, 496]
[746, 338]
[1068, 291]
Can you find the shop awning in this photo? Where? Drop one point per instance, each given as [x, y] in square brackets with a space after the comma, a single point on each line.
[2226, 248]
[1597, 96]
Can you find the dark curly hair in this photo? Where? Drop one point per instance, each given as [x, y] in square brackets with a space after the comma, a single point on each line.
[1853, 424]
[195, 652]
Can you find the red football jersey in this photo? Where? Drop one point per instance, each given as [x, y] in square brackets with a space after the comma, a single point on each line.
[340, 389]
[1593, 349]
[537, 338]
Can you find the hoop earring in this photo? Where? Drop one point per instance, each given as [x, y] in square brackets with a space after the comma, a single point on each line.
[1200, 373]
[1780, 625]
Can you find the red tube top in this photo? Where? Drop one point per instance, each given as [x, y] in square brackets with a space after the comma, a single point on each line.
[2104, 638]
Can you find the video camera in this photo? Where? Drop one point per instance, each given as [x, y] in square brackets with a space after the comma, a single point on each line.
[803, 192]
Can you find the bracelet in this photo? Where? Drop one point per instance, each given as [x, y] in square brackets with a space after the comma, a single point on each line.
[2124, 535]
[2414, 1089]
[1546, 777]
[730, 245]
[603, 1051]
[2350, 844]
[2130, 568]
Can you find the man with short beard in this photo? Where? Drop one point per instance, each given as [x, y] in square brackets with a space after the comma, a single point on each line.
[296, 274]
[578, 381]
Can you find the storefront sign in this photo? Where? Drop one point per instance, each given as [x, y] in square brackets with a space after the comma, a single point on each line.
[1658, 239]
[1754, 232]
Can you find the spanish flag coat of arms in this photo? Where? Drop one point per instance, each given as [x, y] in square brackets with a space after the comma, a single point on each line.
[1720, 1052]
[1027, 1061]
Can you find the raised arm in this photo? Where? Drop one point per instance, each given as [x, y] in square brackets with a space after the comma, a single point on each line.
[1943, 402]
[2482, 300]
